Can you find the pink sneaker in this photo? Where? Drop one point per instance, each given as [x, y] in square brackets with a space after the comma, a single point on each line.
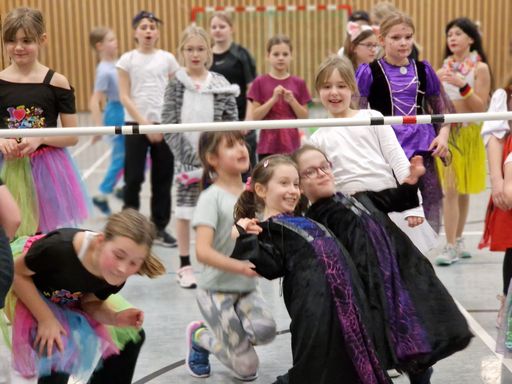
[185, 277]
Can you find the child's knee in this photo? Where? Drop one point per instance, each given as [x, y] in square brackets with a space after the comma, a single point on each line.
[264, 331]
[246, 364]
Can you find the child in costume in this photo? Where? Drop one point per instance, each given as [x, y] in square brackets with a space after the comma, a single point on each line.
[194, 95]
[60, 301]
[399, 86]
[414, 319]
[278, 96]
[365, 158]
[38, 171]
[106, 93]
[235, 313]
[498, 220]
[331, 339]
[467, 80]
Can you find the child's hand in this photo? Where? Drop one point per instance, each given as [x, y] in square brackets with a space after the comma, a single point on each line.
[28, 145]
[247, 268]
[439, 145]
[49, 335]
[155, 138]
[288, 96]
[451, 77]
[498, 195]
[131, 317]
[9, 148]
[416, 170]
[278, 91]
[414, 221]
[250, 226]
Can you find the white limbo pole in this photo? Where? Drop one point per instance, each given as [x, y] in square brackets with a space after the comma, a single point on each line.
[251, 125]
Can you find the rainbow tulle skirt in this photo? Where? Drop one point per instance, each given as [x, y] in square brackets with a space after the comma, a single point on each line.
[48, 189]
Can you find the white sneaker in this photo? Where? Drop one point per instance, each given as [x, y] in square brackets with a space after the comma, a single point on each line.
[461, 249]
[448, 255]
[185, 277]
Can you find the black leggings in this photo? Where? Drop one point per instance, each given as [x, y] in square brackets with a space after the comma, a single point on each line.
[507, 270]
[117, 369]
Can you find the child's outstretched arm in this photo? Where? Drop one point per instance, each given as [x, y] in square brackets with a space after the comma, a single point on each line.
[206, 254]
[416, 170]
[100, 311]
[49, 330]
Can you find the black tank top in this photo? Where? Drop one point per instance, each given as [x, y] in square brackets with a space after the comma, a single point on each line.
[34, 105]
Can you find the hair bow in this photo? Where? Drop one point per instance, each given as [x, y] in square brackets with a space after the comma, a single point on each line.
[248, 186]
[354, 29]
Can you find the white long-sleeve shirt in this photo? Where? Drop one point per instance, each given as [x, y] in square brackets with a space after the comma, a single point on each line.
[364, 158]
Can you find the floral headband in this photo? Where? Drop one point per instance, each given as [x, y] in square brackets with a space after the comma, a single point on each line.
[354, 29]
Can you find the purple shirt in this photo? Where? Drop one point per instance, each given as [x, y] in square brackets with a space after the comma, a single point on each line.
[404, 88]
[278, 140]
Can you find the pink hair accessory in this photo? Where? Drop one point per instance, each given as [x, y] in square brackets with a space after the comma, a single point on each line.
[248, 184]
[354, 29]
[265, 164]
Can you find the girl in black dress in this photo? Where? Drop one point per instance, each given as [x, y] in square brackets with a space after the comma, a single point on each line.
[321, 289]
[415, 320]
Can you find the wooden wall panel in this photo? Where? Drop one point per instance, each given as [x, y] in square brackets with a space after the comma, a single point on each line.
[313, 36]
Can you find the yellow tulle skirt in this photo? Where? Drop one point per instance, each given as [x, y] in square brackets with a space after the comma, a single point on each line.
[466, 172]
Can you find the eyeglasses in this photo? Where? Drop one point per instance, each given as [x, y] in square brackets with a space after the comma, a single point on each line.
[313, 172]
[370, 46]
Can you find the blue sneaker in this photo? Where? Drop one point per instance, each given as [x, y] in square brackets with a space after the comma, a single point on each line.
[197, 357]
[102, 205]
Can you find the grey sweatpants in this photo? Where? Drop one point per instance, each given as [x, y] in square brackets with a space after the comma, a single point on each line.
[236, 322]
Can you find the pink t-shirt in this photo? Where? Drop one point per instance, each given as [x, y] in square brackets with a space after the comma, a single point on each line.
[278, 140]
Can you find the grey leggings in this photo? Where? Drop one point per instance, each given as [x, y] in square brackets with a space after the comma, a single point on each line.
[236, 322]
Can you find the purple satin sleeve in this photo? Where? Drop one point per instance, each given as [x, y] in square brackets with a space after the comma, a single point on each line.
[433, 84]
[364, 80]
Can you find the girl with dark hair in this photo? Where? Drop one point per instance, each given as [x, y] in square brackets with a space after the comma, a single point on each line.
[330, 320]
[235, 314]
[467, 80]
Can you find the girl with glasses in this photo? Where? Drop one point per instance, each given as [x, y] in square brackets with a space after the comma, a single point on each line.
[415, 323]
[361, 44]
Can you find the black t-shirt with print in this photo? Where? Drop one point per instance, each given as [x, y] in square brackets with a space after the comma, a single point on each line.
[59, 274]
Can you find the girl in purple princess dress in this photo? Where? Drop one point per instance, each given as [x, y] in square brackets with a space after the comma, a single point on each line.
[395, 85]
